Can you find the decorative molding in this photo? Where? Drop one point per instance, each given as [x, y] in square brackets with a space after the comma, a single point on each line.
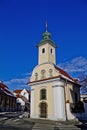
[57, 86]
[47, 80]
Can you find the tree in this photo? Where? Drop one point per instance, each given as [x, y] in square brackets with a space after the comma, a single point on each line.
[83, 82]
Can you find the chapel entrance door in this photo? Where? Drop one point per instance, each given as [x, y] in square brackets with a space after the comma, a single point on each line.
[43, 110]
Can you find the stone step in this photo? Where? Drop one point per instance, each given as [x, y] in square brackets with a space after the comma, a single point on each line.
[63, 128]
[66, 127]
[40, 126]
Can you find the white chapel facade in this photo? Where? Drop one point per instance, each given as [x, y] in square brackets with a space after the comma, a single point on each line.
[52, 89]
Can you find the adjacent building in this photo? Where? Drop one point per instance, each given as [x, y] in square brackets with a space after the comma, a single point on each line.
[52, 88]
[23, 99]
[7, 99]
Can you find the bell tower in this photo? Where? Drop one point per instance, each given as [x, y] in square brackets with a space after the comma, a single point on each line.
[46, 49]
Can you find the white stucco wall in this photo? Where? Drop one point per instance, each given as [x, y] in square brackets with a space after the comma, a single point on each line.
[25, 94]
[32, 103]
[59, 101]
[21, 101]
[70, 116]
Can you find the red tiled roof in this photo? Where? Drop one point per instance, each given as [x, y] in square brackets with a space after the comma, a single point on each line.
[17, 91]
[61, 71]
[4, 89]
[3, 86]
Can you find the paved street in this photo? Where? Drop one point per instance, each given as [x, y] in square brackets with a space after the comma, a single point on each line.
[11, 121]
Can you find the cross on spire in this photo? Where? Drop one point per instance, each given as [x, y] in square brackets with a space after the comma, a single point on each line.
[46, 26]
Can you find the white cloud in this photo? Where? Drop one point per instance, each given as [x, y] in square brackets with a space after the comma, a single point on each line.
[19, 80]
[75, 66]
[28, 74]
[18, 83]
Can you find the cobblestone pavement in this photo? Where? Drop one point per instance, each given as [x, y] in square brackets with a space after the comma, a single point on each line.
[15, 123]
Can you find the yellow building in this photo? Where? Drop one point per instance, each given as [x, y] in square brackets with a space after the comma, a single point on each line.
[52, 89]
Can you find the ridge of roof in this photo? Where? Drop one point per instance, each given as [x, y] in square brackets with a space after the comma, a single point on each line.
[19, 90]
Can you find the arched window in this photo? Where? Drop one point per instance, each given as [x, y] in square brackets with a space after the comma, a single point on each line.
[50, 72]
[51, 50]
[43, 94]
[36, 76]
[43, 75]
[43, 50]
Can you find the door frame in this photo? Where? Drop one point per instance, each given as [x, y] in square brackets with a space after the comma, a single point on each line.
[43, 115]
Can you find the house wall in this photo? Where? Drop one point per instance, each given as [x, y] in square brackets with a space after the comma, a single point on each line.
[23, 99]
[70, 90]
[55, 100]
[36, 101]
[25, 94]
[19, 100]
[7, 103]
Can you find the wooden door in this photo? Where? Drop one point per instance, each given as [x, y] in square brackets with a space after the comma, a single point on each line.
[43, 110]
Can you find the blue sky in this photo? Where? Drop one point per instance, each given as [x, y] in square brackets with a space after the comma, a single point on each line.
[22, 23]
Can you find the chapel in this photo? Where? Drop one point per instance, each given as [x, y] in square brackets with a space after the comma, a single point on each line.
[53, 90]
